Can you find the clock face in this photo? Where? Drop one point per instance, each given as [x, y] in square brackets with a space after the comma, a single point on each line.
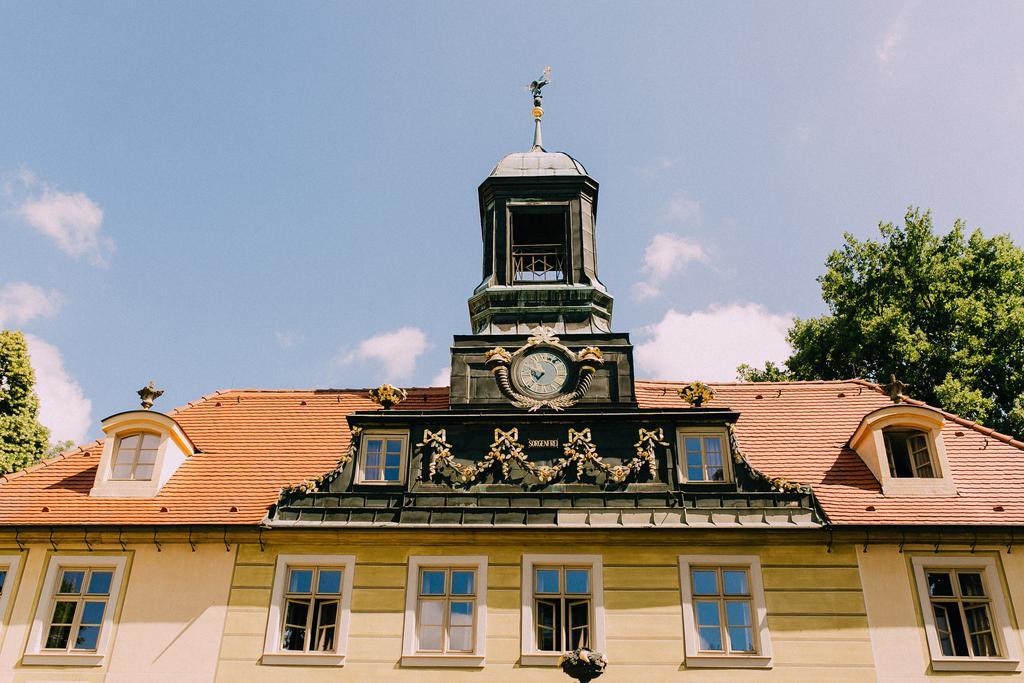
[542, 372]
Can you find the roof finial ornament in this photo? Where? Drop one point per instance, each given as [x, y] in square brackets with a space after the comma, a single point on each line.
[148, 394]
[895, 389]
[538, 111]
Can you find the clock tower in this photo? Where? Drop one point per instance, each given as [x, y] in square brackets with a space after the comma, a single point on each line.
[540, 317]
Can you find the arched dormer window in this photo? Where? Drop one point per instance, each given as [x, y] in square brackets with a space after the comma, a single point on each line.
[134, 457]
[142, 450]
[903, 447]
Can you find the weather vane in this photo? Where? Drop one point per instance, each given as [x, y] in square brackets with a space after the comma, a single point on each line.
[538, 112]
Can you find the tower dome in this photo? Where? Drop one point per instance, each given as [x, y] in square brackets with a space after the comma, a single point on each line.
[537, 162]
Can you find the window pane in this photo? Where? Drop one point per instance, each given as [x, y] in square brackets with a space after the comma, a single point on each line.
[462, 582]
[939, 584]
[394, 446]
[956, 627]
[329, 581]
[294, 638]
[147, 457]
[741, 639]
[707, 613]
[461, 614]
[325, 639]
[692, 445]
[121, 472]
[694, 459]
[971, 585]
[325, 618]
[711, 638]
[99, 583]
[737, 613]
[392, 460]
[374, 446]
[57, 638]
[579, 623]
[432, 582]
[460, 639]
[705, 582]
[391, 474]
[92, 613]
[129, 443]
[71, 581]
[735, 581]
[300, 580]
[547, 581]
[430, 637]
[715, 473]
[713, 445]
[373, 460]
[979, 625]
[373, 474]
[577, 581]
[549, 626]
[63, 612]
[87, 637]
[695, 473]
[943, 628]
[432, 612]
[296, 612]
[143, 472]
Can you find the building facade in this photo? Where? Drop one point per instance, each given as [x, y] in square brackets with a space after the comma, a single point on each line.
[546, 502]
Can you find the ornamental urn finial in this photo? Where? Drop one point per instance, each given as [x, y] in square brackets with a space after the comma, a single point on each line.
[148, 394]
[895, 389]
[696, 394]
[387, 396]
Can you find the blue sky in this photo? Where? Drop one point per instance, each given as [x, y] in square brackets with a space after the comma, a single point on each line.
[284, 194]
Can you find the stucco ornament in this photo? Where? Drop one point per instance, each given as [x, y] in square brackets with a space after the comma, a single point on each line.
[584, 365]
[387, 396]
[583, 664]
[579, 453]
[696, 394]
[148, 394]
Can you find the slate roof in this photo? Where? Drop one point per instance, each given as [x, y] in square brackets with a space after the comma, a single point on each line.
[254, 442]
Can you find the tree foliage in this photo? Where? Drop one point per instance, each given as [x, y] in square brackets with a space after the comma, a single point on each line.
[23, 440]
[944, 313]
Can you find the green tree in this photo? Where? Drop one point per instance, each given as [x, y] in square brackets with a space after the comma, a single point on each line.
[23, 440]
[944, 313]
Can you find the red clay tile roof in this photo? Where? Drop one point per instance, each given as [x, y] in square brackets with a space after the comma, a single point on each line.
[254, 442]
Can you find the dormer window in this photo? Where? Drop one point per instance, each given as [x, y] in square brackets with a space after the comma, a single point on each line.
[143, 449]
[902, 445]
[908, 453]
[135, 456]
[382, 457]
[538, 244]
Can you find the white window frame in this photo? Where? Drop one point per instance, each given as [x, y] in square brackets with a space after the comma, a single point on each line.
[13, 564]
[530, 655]
[681, 469]
[475, 659]
[762, 659]
[35, 654]
[403, 434]
[1003, 631]
[272, 652]
[136, 452]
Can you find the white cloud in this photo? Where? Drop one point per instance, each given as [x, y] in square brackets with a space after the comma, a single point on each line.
[21, 302]
[63, 406]
[681, 209]
[891, 41]
[396, 352]
[288, 338]
[443, 377]
[708, 345]
[72, 220]
[666, 255]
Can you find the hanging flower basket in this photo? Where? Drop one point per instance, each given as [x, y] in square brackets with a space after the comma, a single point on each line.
[583, 664]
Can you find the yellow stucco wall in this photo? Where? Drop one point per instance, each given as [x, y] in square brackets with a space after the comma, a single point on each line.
[897, 627]
[171, 611]
[815, 607]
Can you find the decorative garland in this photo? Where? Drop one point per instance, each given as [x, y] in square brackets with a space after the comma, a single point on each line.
[578, 452]
[778, 484]
[318, 483]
